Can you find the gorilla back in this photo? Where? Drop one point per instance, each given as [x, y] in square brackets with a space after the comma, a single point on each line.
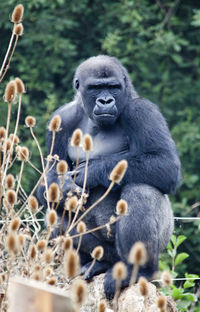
[122, 126]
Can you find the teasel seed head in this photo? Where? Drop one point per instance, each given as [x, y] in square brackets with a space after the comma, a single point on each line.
[55, 123]
[119, 271]
[8, 144]
[54, 193]
[10, 92]
[87, 143]
[79, 291]
[2, 133]
[18, 31]
[61, 167]
[14, 139]
[143, 286]
[11, 197]
[162, 303]
[48, 256]
[97, 253]
[52, 218]
[102, 306]
[166, 278]
[138, 254]
[81, 227]
[15, 224]
[32, 252]
[41, 244]
[119, 171]
[72, 203]
[21, 239]
[36, 276]
[30, 121]
[12, 243]
[18, 14]
[23, 154]
[48, 271]
[67, 244]
[76, 138]
[71, 263]
[122, 207]
[10, 181]
[33, 203]
[52, 281]
[37, 268]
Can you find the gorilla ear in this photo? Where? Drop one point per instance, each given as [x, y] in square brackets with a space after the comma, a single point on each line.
[76, 84]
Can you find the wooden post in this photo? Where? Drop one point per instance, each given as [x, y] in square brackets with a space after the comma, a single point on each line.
[31, 296]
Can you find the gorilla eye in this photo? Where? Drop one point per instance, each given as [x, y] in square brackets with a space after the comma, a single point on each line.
[116, 86]
[76, 84]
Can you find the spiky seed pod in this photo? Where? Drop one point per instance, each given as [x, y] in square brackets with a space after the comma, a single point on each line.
[48, 271]
[143, 286]
[33, 203]
[33, 252]
[21, 239]
[41, 244]
[55, 123]
[76, 138]
[166, 278]
[15, 224]
[48, 256]
[10, 181]
[12, 243]
[138, 254]
[61, 167]
[30, 121]
[52, 218]
[79, 292]
[17, 14]
[14, 139]
[52, 281]
[18, 31]
[87, 143]
[71, 263]
[19, 83]
[97, 253]
[72, 203]
[2, 133]
[81, 227]
[23, 154]
[54, 193]
[102, 306]
[10, 92]
[119, 271]
[37, 268]
[162, 303]
[8, 144]
[118, 172]
[122, 207]
[11, 197]
[36, 276]
[67, 244]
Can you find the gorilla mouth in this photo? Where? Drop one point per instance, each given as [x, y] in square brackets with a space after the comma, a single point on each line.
[104, 115]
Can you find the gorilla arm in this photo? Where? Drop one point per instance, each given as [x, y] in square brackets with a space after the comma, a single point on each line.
[152, 156]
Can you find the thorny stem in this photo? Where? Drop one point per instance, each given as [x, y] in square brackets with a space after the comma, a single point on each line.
[117, 292]
[7, 53]
[79, 242]
[90, 267]
[134, 274]
[20, 177]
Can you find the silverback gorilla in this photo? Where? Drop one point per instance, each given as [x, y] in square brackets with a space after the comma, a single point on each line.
[123, 126]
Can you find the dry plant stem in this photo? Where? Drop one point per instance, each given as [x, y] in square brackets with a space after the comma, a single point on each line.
[20, 177]
[93, 205]
[10, 58]
[117, 292]
[79, 242]
[134, 274]
[8, 276]
[90, 267]
[69, 222]
[7, 53]
[76, 168]
[6, 136]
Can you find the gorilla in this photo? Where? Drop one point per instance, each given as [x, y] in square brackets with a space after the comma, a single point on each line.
[123, 126]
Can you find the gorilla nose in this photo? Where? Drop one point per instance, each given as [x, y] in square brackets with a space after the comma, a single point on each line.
[105, 100]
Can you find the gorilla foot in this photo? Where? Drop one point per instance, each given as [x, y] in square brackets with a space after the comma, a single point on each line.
[99, 267]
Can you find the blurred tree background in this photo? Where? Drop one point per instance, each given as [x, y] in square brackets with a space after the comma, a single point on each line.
[158, 42]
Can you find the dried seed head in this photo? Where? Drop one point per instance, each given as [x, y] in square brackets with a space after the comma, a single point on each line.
[19, 82]
[23, 154]
[162, 303]
[41, 244]
[52, 281]
[36, 276]
[33, 252]
[33, 203]
[72, 203]
[71, 263]
[62, 167]
[138, 254]
[118, 172]
[15, 223]
[52, 218]
[102, 306]
[55, 123]
[14, 139]
[87, 143]
[166, 278]
[97, 253]
[12, 243]
[54, 193]
[67, 244]
[8, 144]
[11, 197]
[18, 31]
[79, 291]
[48, 256]
[30, 121]
[76, 138]
[119, 271]
[81, 227]
[48, 271]
[10, 181]
[17, 14]
[37, 268]
[10, 92]
[21, 239]
[143, 286]
[2, 133]
[122, 207]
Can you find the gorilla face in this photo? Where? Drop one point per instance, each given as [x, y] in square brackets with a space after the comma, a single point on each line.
[102, 89]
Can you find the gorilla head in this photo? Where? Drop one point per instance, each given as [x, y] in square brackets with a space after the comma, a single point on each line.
[104, 87]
